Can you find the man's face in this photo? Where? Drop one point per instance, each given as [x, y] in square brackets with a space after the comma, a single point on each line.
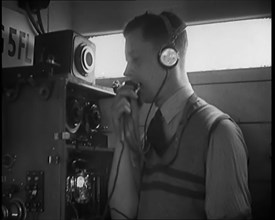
[142, 65]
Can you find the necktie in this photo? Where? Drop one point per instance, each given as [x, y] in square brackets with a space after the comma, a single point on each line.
[156, 135]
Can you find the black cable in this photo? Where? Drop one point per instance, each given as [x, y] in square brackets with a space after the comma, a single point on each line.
[113, 188]
[148, 113]
[120, 156]
[75, 211]
[121, 213]
[28, 10]
[38, 14]
[48, 19]
[154, 99]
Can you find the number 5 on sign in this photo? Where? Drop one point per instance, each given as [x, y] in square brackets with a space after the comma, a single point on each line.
[17, 39]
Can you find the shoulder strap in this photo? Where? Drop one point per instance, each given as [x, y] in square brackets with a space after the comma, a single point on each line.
[195, 104]
[215, 124]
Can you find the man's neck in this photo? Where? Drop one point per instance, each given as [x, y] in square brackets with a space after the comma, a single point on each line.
[172, 85]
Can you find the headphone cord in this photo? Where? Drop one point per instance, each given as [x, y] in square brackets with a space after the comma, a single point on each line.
[120, 156]
[145, 124]
[115, 180]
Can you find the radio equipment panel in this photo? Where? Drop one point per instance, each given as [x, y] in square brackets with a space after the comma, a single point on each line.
[55, 155]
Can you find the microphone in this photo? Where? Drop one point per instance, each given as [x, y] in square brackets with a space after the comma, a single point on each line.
[136, 88]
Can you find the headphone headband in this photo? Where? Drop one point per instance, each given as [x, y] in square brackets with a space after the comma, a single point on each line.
[177, 32]
[168, 55]
[167, 23]
[173, 34]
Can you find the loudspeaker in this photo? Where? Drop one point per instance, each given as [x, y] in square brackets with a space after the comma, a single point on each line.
[65, 52]
[168, 55]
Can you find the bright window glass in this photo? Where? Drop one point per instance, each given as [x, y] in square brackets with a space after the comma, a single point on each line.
[216, 46]
[229, 45]
[110, 59]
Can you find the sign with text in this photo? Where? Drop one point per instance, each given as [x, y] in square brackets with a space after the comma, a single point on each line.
[17, 39]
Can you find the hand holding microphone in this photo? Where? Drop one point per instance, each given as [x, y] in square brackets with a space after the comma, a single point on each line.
[125, 113]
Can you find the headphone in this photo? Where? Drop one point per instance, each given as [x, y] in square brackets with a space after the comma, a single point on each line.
[168, 55]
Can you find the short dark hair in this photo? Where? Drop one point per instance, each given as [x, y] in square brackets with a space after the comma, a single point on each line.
[154, 29]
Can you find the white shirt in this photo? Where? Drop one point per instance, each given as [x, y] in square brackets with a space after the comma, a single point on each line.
[172, 109]
[227, 193]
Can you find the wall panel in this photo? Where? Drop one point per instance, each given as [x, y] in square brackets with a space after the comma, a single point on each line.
[231, 75]
[258, 140]
[245, 101]
[261, 193]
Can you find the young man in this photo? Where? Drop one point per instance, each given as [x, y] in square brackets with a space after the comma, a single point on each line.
[193, 164]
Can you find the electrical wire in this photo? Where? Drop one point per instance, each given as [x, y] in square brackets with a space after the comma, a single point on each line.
[113, 188]
[48, 19]
[146, 120]
[120, 156]
[28, 10]
[40, 23]
[75, 211]
[121, 213]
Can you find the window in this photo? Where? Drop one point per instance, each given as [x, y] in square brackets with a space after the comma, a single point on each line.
[217, 46]
[229, 45]
[110, 59]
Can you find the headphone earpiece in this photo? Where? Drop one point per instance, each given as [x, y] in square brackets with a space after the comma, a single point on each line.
[168, 55]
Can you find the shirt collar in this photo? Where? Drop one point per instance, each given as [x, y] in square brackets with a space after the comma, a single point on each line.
[176, 103]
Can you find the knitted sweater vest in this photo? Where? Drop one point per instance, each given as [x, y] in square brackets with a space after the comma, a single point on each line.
[173, 186]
